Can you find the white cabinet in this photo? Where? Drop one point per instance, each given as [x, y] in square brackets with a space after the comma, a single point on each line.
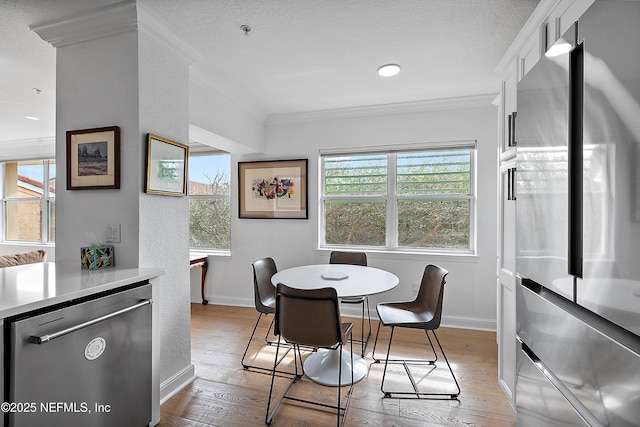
[508, 104]
[506, 316]
[531, 51]
[564, 15]
[524, 60]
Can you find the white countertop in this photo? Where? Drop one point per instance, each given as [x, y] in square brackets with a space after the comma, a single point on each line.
[32, 286]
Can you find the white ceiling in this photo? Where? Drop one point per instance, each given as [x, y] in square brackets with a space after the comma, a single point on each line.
[300, 55]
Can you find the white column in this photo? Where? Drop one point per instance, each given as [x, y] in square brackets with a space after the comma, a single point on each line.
[121, 66]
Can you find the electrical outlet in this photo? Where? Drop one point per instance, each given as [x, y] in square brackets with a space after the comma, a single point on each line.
[113, 233]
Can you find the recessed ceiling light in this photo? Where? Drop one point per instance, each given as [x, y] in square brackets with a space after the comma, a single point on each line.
[31, 118]
[388, 70]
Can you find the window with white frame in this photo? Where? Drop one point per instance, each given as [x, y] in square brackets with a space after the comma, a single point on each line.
[28, 201]
[210, 201]
[418, 199]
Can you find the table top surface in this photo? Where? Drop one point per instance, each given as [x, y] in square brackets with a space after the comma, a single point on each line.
[348, 280]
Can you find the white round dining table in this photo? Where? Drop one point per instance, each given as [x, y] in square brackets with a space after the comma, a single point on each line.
[348, 280]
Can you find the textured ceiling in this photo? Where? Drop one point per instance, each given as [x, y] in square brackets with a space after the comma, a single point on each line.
[300, 55]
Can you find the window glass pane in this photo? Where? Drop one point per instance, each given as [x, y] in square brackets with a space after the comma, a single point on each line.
[52, 220]
[210, 223]
[24, 179]
[209, 175]
[355, 223]
[434, 172]
[355, 175]
[23, 220]
[433, 224]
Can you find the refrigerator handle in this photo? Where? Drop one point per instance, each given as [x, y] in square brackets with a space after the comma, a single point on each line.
[576, 89]
[513, 183]
[514, 139]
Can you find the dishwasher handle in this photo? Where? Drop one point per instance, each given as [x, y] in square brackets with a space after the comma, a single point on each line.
[41, 339]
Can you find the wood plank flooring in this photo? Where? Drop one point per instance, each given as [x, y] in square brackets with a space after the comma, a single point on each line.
[224, 394]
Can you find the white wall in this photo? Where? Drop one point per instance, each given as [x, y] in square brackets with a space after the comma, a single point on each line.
[163, 238]
[242, 128]
[97, 86]
[470, 296]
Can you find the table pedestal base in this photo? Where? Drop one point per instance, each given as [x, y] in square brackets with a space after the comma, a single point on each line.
[322, 367]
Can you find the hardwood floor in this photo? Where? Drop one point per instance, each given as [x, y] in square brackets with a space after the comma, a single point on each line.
[224, 394]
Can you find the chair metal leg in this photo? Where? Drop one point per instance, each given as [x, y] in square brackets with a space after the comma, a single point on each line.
[296, 352]
[266, 336]
[407, 362]
[340, 411]
[246, 350]
[453, 396]
[411, 361]
[364, 341]
[375, 343]
[244, 365]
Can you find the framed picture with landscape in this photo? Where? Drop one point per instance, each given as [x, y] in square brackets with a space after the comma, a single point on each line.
[93, 158]
[166, 167]
[273, 189]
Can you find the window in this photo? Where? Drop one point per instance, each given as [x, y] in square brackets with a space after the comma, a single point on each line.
[28, 204]
[403, 200]
[209, 202]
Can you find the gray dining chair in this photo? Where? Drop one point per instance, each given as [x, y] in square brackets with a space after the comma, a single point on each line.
[355, 258]
[309, 318]
[424, 313]
[265, 303]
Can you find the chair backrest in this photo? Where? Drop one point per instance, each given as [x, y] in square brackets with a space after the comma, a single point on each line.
[264, 293]
[354, 258]
[431, 293]
[308, 316]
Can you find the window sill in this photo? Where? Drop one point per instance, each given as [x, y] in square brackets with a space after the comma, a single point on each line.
[30, 244]
[406, 255]
[196, 253]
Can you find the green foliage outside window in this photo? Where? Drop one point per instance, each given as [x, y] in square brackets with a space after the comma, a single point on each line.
[209, 202]
[426, 194]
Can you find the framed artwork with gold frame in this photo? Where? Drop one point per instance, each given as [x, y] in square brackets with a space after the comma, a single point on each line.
[167, 165]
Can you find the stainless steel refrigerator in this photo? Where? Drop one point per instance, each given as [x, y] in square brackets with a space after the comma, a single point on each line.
[578, 225]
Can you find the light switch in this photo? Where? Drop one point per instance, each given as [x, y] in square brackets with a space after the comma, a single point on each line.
[113, 233]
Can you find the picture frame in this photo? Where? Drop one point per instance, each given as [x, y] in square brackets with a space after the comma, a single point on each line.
[167, 166]
[276, 189]
[93, 158]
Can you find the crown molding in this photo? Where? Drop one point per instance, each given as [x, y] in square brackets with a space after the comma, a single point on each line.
[112, 20]
[385, 109]
[152, 24]
[535, 22]
[92, 25]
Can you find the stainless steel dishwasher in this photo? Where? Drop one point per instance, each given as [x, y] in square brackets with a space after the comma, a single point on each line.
[86, 362]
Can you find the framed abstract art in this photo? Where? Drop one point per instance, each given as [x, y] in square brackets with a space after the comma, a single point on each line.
[273, 189]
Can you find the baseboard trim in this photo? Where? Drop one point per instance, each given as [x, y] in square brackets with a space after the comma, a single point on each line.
[479, 324]
[177, 382]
